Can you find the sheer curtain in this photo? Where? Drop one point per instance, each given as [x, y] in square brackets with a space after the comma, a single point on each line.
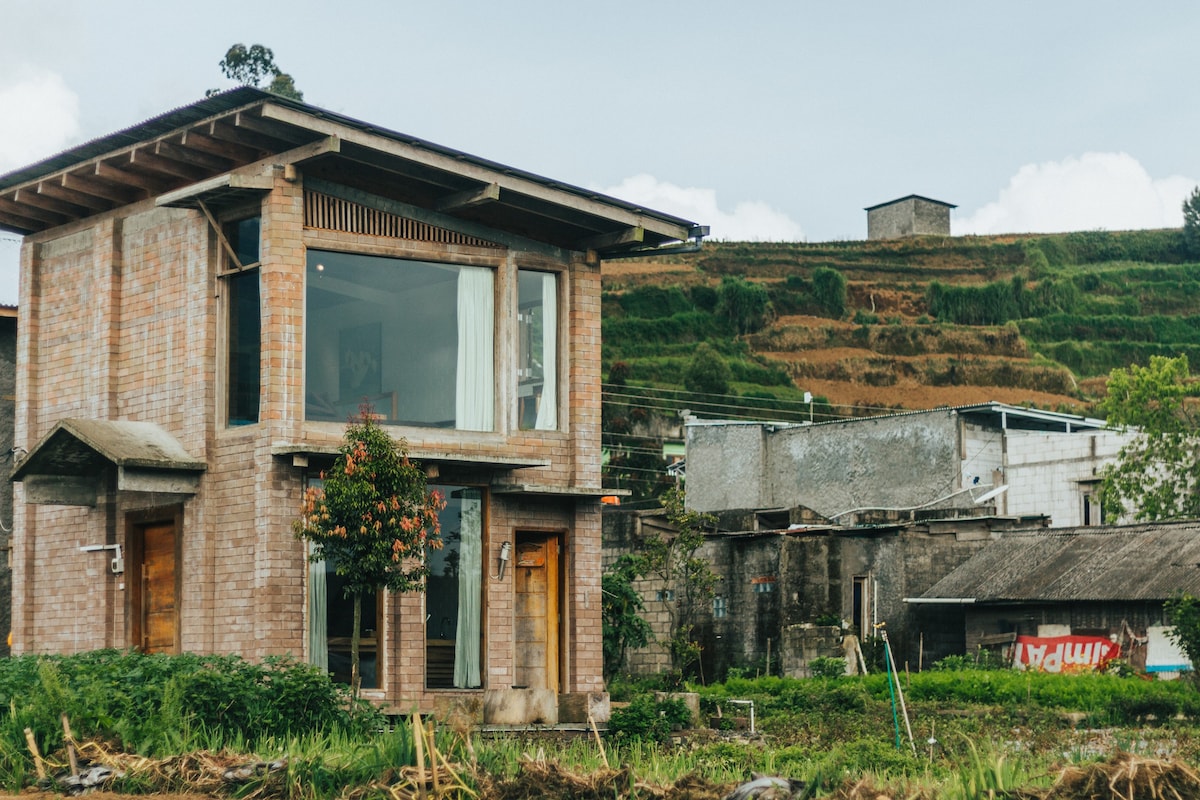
[474, 387]
[318, 608]
[547, 413]
[470, 591]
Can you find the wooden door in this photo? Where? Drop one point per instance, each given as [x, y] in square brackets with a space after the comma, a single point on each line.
[157, 613]
[535, 612]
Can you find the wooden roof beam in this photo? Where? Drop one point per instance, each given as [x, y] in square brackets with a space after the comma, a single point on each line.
[56, 189]
[145, 161]
[238, 153]
[146, 183]
[29, 196]
[20, 223]
[266, 127]
[196, 158]
[461, 201]
[226, 132]
[26, 211]
[605, 241]
[85, 184]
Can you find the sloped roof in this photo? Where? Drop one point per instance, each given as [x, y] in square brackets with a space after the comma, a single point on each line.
[910, 197]
[200, 142]
[78, 447]
[1152, 561]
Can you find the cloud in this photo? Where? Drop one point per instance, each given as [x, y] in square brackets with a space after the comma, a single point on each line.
[748, 222]
[42, 118]
[1097, 191]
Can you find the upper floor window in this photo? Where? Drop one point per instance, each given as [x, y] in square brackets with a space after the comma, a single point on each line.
[245, 322]
[414, 339]
[537, 357]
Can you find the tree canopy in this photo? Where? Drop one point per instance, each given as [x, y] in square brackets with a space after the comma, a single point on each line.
[1191, 222]
[254, 66]
[1157, 475]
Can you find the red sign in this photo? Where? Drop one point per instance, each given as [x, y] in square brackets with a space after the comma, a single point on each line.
[1063, 653]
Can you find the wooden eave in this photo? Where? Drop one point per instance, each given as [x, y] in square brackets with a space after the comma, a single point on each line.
[197, 144]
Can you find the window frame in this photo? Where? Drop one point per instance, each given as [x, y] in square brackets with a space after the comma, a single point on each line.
[228, 273]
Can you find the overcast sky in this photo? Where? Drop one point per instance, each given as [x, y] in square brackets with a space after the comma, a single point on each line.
[765, 120]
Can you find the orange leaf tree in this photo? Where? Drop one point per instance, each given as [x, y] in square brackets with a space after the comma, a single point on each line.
[374, 520]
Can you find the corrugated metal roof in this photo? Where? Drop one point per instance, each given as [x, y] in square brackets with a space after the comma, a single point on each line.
[1152, 561]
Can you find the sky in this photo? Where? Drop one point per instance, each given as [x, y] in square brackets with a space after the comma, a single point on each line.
[767, 121]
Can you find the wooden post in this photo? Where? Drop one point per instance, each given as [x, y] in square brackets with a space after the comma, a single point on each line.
[70, 742]
[37, 757]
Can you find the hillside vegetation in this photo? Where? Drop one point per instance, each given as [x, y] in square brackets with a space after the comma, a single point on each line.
[867, 327]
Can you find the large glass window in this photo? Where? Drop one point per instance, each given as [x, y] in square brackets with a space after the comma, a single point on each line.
[413, 339]
[537, 357]
[245, 323]
[454, 594]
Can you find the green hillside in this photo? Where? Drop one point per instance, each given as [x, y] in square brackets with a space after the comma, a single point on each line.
[866, 327]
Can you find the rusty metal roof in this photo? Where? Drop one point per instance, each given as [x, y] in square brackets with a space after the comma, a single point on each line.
[1151, 561]
[200, 142]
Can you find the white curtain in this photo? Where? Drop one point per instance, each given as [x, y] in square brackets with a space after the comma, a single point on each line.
[475, 384]
[318, 607]
[470, 591]
[547, 413]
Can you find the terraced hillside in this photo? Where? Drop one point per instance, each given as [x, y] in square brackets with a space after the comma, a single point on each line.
[906, 324]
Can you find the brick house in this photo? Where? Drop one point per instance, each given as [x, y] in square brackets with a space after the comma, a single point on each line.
[207, 296]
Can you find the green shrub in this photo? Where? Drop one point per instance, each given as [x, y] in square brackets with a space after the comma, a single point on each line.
[826, 667]
[648, 720]
[829, 290]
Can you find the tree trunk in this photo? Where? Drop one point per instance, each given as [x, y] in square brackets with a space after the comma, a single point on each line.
[355, 676]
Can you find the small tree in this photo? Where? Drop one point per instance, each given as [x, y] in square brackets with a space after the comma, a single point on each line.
[743, 304]
[1191, 223]
[1183, 612]
[1157, 475]
[688, 580]
[373, 519]
[707, 372]
[829, 290]
[622, 611]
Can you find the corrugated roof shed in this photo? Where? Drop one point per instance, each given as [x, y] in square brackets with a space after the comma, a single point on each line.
[1151, 561]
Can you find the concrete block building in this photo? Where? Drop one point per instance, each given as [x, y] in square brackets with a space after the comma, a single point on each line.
[206, 297]
[994, 457]
[909, 216]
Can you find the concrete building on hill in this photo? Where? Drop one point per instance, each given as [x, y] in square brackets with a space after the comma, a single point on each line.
[909, 216]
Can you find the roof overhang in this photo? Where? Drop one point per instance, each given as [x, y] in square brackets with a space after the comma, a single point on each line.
[324, 451]
[181, 157]
[72, 464]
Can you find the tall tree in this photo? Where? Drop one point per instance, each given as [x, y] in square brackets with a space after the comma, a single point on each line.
[1191, 223]
[254, 66]
[1157, 475]
[373, 519]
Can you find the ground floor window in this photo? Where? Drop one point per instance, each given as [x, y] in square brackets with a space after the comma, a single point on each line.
[454, 594]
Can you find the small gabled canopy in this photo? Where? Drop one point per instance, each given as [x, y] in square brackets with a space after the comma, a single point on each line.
[214, 150]
[910, 197]
[67, 466]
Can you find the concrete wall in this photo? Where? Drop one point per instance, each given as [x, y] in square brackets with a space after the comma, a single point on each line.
[1049, 473]
[910, 217]
[125, 321]
[884, 462]
[814, 576]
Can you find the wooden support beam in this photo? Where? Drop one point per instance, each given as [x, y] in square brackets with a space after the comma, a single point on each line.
[54, 188]
[31, 212]
[28, 195]
[238, 153]
[144, 160]
[226, 132]
[20, 224]
[150, 184]
[266, 127]
[196, 158]
[469, 199]
[616, 239]
[103, 189]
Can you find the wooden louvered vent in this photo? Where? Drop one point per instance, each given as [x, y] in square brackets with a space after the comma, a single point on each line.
[334, 214]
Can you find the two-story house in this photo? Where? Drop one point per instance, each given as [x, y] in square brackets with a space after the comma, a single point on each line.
[207, 297]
